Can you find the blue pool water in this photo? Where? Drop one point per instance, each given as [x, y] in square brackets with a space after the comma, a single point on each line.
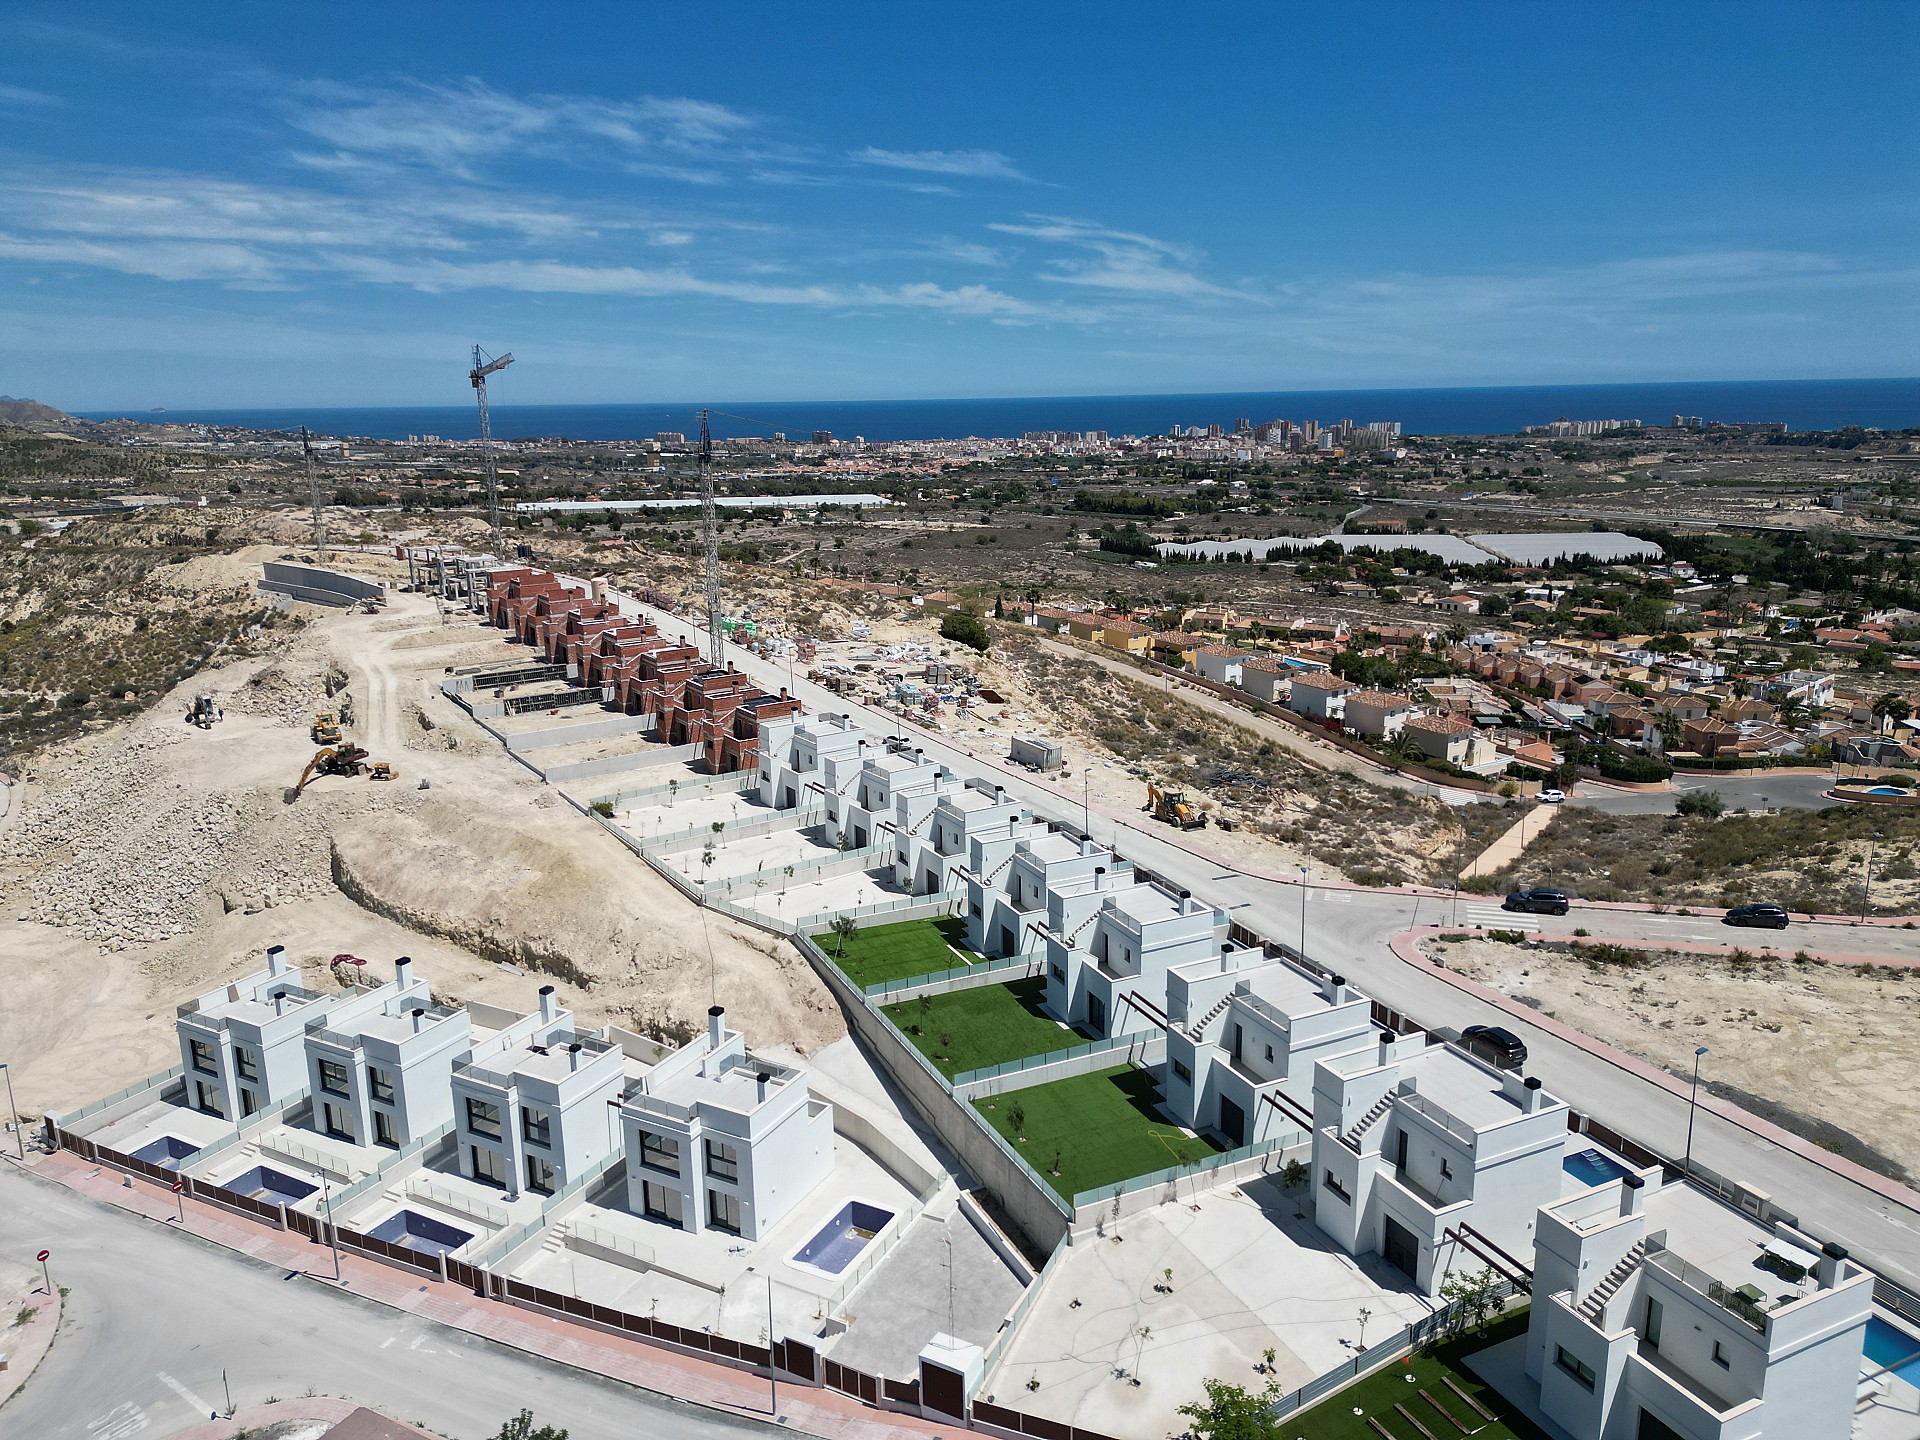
[1888, 1344]
[1888, 790]
[167, 1152]
[837, 1242]
[263, 1182]
[415, 1231]
[1592, 1167]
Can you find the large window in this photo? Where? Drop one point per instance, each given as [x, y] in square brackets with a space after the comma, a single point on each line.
[539, 1175]
[536, 1126]
[660, 1152]
[660, 1203]
[723, 1211]
[380, 1084]
[338, 1121]
[246, 1064]
[209, 1098]
[204, 1060]
[383, 1131]
[1574, 1366]
[483, 1118]
[333, 1077]
[723, 1161]
[487, 1165]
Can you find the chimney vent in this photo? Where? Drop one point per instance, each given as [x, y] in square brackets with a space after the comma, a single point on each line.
[716, 1026]
[549, 1003]
[573, 1056]
[761, 1081]
[419, 1015]
[276, 959]
[403, 971]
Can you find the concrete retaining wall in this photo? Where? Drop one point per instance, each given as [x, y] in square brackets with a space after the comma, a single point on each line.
[318, 586]
[1040, 1217]
[1096, 1213]
[579, 734]
[972, 979]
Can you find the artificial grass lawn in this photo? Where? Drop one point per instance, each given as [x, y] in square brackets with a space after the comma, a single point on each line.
[1333, 1418]
[900, 952]
[1106, 1128]
[987, 1026]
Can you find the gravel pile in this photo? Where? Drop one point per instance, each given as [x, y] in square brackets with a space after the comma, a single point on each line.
[128, 855]
[288, 690]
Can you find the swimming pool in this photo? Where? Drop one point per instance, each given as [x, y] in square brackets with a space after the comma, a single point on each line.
[167, 1152]
[1888, 1344]
[414, 1231]
[836, 1244]
[1593, 1167]
[263, 1182]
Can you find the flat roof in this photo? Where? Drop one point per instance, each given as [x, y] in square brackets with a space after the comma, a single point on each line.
[735, 1088]
[1471, 1093]
[1286, 989]
[1053, 845]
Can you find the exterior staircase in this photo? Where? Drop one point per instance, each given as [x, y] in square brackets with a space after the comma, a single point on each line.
[1199, 1026]
[1595, 1305]
[1367, 1121]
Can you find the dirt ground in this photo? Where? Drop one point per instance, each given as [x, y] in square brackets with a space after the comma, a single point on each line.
[1793, 1042]
[155, 860]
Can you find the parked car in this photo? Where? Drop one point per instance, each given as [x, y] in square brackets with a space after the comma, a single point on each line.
[1495, 1045]
[1551, 797]
[1537, 901]
[1765, 917]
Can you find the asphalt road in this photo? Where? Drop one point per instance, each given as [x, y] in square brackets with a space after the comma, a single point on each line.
[1350, 929]
[1741, 792]
[153, 1317]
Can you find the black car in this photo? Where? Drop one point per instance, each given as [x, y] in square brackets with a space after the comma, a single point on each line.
[1766, 917]
[1539, 902]
[1494, 1045]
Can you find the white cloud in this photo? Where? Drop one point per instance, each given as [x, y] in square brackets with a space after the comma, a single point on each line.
[20, 97]
[981, 164]
[459, 126]
[1120, 261]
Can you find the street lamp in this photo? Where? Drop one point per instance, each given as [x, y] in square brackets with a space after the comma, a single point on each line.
[1303, 912]
[1693, 1102]
[19, 1135]
[1866, 891]
[333, 1235]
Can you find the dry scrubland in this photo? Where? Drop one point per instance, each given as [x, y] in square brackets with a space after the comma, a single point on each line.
[1811, 860]
[152, 860]
[1828, 1037]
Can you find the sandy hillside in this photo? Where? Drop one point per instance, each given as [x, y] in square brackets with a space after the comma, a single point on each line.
[155, 860]
[1819, 1040]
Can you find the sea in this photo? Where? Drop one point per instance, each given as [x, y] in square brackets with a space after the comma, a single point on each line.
[1800, 404]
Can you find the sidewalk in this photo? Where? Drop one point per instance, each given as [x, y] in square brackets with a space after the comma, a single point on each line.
[1511, 843]
[741, 1394]
[1405, 947]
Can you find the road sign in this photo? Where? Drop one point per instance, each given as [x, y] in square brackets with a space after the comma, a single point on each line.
[178, 1186]
[44, 1256]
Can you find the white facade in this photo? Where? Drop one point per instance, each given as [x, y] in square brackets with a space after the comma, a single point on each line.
[1658, 1306]
[243, 1045]
[717, 1138]
[931, 850]
[1218, 663]
[1412, 1142]
[808, 760]
[1319, 696]
[1109, 941]
[384, 1077]
[1246, 1035]
[1009, 876]
[530, 1105]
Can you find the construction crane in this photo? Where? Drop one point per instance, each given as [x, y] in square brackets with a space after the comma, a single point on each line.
[482, 368]
[313, 491]
[716, 651]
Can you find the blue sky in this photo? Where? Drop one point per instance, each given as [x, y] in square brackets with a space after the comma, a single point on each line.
[242, 204]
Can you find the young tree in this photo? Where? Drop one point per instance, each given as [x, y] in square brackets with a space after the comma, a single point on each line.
[521, 1427]
[1233, 1412]
[843, 930]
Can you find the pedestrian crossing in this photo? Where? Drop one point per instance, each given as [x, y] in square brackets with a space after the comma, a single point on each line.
[1492, 917]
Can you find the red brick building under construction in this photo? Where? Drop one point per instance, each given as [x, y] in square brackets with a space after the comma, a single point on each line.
[638, 670]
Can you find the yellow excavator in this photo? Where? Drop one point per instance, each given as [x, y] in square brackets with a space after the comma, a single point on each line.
[344, 760]
[1173, 807]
